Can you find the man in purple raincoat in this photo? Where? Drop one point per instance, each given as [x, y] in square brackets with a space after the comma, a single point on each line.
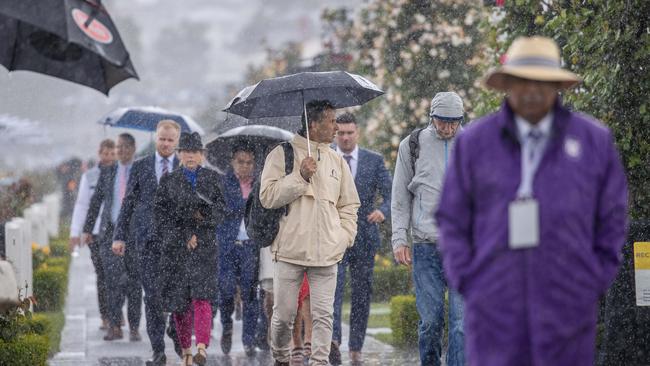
[532, 218]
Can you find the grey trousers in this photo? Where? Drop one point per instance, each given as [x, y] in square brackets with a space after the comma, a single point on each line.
[287, 279]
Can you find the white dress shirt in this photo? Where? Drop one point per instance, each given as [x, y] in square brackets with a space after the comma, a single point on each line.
[86, 189]
[354, 162]
[123, 172]
[532, 151]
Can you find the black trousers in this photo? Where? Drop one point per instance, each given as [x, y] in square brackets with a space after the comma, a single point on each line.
[96, 258]
[123, 283]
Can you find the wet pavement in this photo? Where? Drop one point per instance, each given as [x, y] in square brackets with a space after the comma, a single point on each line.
[82, 344]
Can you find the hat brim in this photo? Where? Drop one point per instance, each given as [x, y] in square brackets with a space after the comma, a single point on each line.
[190, 149]
[496, 79]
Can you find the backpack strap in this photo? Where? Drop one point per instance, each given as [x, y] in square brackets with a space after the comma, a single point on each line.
[414, 146]
[288, 165]
[288, 157]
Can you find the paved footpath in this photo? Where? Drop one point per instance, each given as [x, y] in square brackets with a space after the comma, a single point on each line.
[82, 344]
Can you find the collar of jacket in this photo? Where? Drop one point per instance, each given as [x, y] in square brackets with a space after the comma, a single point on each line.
[301, 143]
[508, 127]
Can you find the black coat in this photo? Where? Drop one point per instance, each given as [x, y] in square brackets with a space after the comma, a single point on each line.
[188, 274]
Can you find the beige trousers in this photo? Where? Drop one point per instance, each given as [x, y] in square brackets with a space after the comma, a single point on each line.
[287, 279]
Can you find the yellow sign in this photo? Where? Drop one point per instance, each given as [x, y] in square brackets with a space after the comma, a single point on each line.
[641, 255]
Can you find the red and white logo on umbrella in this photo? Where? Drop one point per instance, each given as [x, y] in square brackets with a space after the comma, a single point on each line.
[95, 30]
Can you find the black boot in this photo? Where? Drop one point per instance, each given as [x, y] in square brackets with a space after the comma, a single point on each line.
[171, 333]
[158, 359]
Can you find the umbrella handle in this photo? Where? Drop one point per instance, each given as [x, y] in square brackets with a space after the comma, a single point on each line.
[93, 13]
[304, 108]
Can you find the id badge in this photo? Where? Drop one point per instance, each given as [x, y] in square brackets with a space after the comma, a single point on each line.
[523, 224]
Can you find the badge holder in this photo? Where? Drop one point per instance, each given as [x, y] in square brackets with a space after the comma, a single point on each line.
[523, 224]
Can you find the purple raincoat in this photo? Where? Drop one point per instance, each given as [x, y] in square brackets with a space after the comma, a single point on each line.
[533, 306]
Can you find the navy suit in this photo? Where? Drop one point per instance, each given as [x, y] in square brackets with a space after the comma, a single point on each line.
[237, 261]
[372, 178]
[138, 206]
[122, 274]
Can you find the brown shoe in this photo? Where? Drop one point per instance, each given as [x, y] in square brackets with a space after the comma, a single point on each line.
[356, 357]
[201, 356]
[335, 354]
[188, 360]
[134, 335]
[113, 333]
[104, 325]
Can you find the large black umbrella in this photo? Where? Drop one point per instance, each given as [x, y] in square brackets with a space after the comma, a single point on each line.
[258, 137]
[74, 40]
[288, 95]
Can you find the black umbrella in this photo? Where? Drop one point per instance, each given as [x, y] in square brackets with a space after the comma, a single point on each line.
[288, 95]
[258, 137]
[74, 40]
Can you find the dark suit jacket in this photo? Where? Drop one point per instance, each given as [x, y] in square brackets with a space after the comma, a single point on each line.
[235, 209]
[103, 194]
[137, 206]
[188, 274]
[372, 179]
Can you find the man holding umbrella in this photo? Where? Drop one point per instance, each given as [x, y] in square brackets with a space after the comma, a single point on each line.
[138, 207]
[320, 225]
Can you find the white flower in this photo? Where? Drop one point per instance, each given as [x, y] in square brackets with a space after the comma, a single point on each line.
[469, 18]
[394, 141]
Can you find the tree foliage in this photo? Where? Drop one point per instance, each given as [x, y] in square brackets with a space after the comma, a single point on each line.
[607, 43]
[412, 49]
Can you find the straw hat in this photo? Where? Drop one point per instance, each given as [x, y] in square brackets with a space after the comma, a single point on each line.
[532, 58]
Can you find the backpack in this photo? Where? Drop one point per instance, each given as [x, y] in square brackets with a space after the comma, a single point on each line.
[414, 146]
[263, 224]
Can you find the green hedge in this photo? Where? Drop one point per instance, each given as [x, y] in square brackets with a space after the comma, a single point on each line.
[387, 282]
[49, 288]
[390, 282]
[29, 349]
[38, 324]
[38, 258]
[59, 248]
[404, 321]
[63, 262]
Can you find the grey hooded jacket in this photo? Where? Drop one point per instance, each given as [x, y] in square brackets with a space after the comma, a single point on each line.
[416, 196]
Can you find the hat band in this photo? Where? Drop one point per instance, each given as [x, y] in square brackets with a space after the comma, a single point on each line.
[533, 61]
[447, 119]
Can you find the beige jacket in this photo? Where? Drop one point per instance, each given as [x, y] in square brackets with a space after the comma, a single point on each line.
[322, 219]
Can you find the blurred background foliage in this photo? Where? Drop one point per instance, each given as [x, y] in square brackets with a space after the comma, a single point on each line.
[413, 49]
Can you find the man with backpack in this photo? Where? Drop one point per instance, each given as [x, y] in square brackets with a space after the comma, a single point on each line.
[421, 163]
[319, 224]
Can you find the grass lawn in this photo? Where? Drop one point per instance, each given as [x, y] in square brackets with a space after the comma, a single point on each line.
[379, 320]
[57, 320]
[386, 338]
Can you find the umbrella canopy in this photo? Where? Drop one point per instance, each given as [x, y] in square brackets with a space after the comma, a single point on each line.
[147, 118]
[290, 123]
[74, 40]
[258, 137]
[287, 95]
